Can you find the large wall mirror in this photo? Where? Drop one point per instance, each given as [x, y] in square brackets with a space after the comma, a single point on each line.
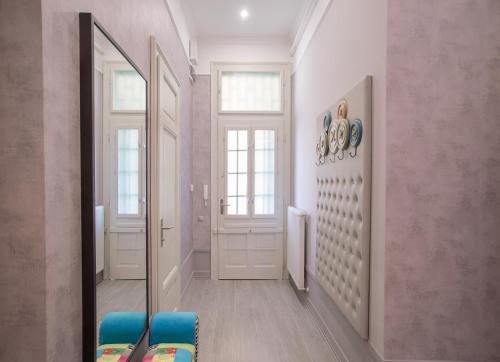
[114, 195]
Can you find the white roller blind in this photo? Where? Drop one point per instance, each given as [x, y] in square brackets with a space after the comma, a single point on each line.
[250, 91]
[129, 91]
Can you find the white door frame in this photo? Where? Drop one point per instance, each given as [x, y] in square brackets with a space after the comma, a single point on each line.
[154, 134]
[215, 68]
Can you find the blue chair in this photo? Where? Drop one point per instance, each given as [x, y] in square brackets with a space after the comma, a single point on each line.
[119, 332]
[173, 334]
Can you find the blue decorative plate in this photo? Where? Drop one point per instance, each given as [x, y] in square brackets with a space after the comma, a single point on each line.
[327, 120]
[356, 133]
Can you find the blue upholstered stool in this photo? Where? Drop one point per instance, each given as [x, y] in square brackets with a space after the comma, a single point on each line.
[173, 335]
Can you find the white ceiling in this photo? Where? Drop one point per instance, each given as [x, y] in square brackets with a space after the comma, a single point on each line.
[221, 18]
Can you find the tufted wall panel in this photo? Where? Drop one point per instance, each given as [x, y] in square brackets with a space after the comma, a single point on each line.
[343, 216]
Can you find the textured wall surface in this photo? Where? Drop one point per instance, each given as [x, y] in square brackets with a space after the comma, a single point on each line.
[335, 61]
[201, 160]
[443, 183]
[41, 142]
[22, 239]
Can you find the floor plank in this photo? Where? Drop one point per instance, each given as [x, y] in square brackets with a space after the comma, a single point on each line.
[253, 320]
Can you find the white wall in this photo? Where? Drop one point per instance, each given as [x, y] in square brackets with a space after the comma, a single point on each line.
[241, 50]
[351, 42]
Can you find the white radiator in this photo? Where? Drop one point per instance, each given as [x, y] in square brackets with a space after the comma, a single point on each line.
[99, 238]
[296, 245]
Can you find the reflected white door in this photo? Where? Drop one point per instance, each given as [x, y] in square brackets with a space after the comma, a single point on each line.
[250, 212]
[168, 246]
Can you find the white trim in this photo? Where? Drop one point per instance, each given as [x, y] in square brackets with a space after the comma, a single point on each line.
[306, 13]
[311, 21]
[201, 274]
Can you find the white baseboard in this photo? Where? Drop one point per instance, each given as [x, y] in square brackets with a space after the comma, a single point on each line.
[201, 274]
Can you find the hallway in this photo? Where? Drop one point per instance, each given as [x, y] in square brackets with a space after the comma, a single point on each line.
[253, 320]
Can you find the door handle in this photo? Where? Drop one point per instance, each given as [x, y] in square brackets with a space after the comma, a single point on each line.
[222, 205]
[162, 237]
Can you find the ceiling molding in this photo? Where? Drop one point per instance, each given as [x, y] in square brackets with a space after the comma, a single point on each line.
[311, 20]
[301, 24]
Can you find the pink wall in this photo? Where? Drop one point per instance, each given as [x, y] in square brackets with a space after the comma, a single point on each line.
[201, 160]
[22, 214]
[443, 177]
[40, 148]
[349, 44]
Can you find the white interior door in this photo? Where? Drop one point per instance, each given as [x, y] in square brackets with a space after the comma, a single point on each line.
[168, 245]
[250, 231]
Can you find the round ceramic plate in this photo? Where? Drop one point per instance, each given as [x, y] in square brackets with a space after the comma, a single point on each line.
[327, 120]
[323, 144]
[333, 137]
[356, 133]
[343, 134]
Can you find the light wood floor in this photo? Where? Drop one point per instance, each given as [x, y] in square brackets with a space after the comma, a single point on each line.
[249, 320]
[120, 296]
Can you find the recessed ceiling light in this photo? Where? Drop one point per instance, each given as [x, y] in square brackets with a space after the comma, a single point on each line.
[244, 13]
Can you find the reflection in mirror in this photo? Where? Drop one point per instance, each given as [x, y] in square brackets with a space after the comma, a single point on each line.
[120, 188]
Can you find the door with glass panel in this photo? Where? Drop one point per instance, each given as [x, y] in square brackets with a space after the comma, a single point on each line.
[124, 170]
[251, 119]
[250, 206]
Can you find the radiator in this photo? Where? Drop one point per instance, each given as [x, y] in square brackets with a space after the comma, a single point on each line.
[296, 236]
[99, 238]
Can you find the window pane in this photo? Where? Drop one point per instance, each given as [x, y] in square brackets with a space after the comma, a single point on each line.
[242, 184]
[251, 92]
[242, 140]
[232, 161]
[242, 161]
[232, 185]
[237, 172]
[129, 91]
[128, 171]
[232, 140]
[232, 207]
[264, 172]
[264, 205]
[242, 205]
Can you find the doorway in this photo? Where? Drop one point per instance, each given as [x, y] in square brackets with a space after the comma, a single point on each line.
[250, 169]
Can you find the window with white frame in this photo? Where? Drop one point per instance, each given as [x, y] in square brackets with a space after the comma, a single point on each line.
[128, 171]
[251, 172]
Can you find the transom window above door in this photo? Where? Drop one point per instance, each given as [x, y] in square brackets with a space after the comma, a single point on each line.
[251, 91]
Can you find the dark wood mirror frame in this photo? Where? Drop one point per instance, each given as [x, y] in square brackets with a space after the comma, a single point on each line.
[87, 158]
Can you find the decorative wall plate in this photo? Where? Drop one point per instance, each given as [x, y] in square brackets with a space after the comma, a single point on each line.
[356, 133]
[327, 120]
[333, 144]
[343, 134]
[323, 143]
[342, 109]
